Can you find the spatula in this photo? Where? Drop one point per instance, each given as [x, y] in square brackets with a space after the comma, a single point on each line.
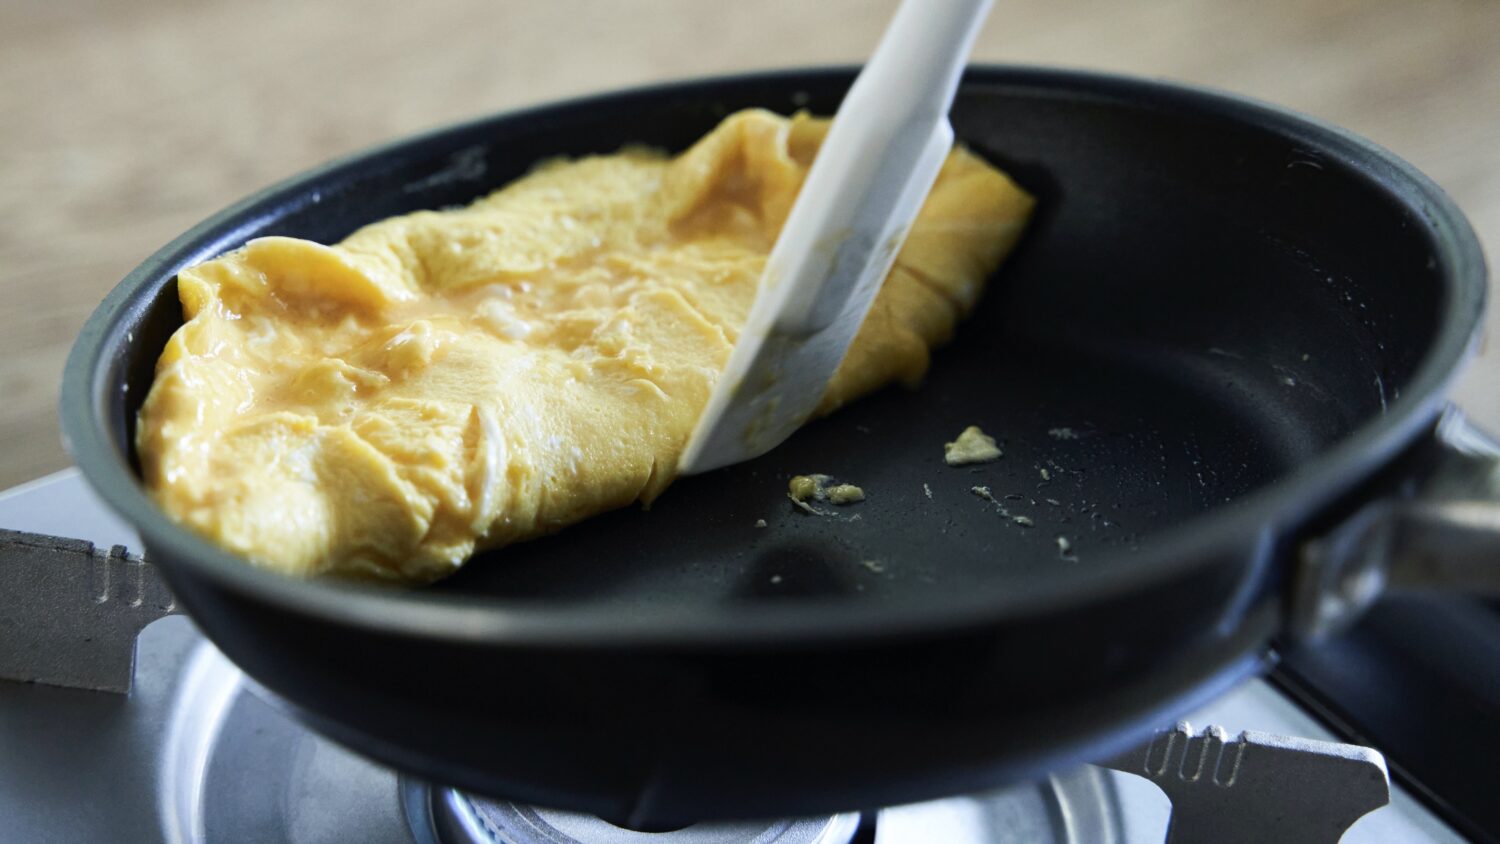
[870, 177]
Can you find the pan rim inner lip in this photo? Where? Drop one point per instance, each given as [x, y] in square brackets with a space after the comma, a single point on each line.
[1267, 511]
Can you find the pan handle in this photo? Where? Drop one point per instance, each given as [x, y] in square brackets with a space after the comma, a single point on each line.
[1440, 531]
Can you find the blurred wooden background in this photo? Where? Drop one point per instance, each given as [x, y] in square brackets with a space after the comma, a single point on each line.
[125, 123]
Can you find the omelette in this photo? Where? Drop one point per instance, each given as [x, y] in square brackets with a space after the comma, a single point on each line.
[447, 381]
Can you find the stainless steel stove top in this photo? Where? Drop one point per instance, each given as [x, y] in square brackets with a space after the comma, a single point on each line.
[195, 753]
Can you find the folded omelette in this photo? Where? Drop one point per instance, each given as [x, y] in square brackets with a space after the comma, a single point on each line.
[451, 380]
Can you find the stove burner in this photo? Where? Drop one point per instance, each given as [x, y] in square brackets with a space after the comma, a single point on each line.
[1077, 806]
[235, 767]
[446, 816]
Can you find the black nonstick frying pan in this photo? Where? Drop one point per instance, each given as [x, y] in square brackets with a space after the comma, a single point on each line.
[1216, 365]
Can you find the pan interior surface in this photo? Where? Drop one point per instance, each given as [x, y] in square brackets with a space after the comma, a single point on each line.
[1097, 455]
[1203, 303]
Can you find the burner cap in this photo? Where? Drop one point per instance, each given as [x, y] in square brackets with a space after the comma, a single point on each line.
[450, 817]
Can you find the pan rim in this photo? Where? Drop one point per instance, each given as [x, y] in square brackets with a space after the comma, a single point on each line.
[471, 619]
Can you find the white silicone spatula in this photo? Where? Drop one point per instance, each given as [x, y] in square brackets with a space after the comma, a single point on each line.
[869, 179]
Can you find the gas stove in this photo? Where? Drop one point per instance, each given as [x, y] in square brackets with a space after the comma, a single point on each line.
[181, 747]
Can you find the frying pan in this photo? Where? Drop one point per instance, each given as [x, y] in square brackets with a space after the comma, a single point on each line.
[1225, 338]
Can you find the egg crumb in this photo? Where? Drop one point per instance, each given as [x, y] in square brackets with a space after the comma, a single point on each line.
[972, 446]
[845, 494]
[804, 487]
[823, 488]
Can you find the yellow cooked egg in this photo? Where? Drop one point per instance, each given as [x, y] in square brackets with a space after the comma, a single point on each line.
[451, 380]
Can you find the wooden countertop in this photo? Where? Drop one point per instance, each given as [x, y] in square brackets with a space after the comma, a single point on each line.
[125, 123]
